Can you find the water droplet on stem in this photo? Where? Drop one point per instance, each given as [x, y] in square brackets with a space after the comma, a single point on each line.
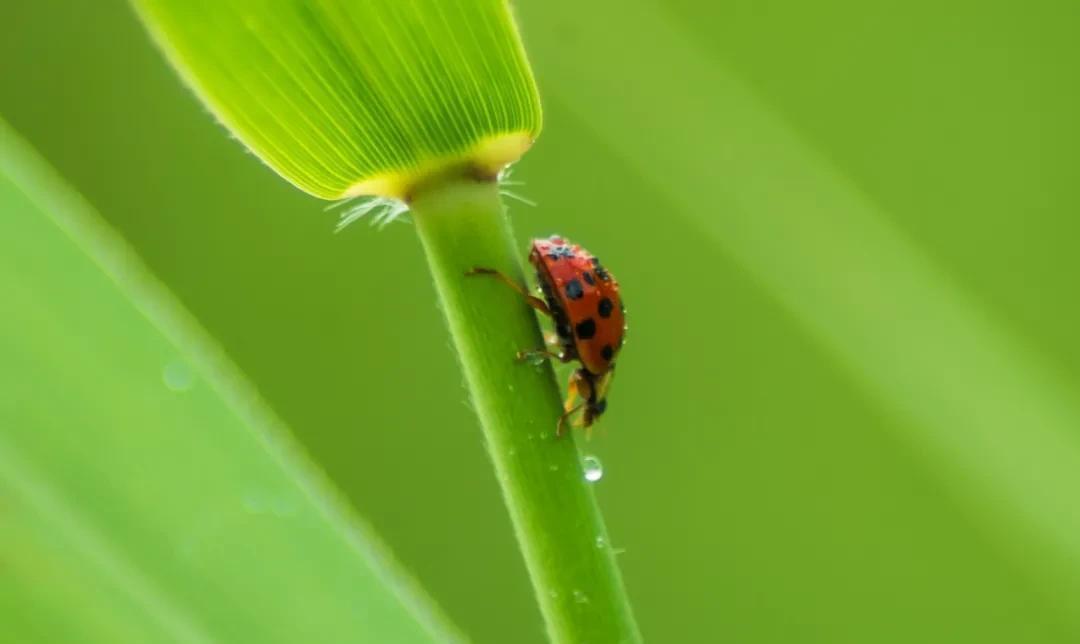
[177, 376]
[594, 470]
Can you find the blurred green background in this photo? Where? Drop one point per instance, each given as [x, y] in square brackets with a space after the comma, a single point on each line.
[760, 491]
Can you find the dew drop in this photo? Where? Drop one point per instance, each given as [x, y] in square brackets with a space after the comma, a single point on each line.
[580, 597]
[594, 470]
[177, 376]
[601, 543]
[553, 467]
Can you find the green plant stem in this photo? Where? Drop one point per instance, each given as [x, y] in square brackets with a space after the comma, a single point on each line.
[556, 519]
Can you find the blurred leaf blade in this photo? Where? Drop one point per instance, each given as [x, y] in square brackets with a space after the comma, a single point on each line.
[993, 418]
[358, 97]
[143, 475]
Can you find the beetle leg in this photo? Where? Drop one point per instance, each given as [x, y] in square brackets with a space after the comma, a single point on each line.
[571, 394]
[541, 354]
[563, 418]
[581, 382]
[569, 407]
[532, 300]
[579, 385]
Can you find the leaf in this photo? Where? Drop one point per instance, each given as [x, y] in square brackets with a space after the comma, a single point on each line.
[147, 494]
[350, 98]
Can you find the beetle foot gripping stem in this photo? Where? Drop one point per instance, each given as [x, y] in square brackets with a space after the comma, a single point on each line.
[532, 300]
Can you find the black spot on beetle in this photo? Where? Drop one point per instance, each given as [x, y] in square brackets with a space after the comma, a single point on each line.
[605, 307]
[599, 407]
[607, 353]
[587, 276]
[573, 289]
[585, 329]
[600, 271]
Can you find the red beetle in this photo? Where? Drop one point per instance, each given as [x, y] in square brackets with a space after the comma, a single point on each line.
[582, 298]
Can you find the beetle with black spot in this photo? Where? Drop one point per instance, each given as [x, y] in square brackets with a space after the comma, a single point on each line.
[582, 298]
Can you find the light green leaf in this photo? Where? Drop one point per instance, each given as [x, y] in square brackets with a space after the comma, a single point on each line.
[147, 494]
[367, 97]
